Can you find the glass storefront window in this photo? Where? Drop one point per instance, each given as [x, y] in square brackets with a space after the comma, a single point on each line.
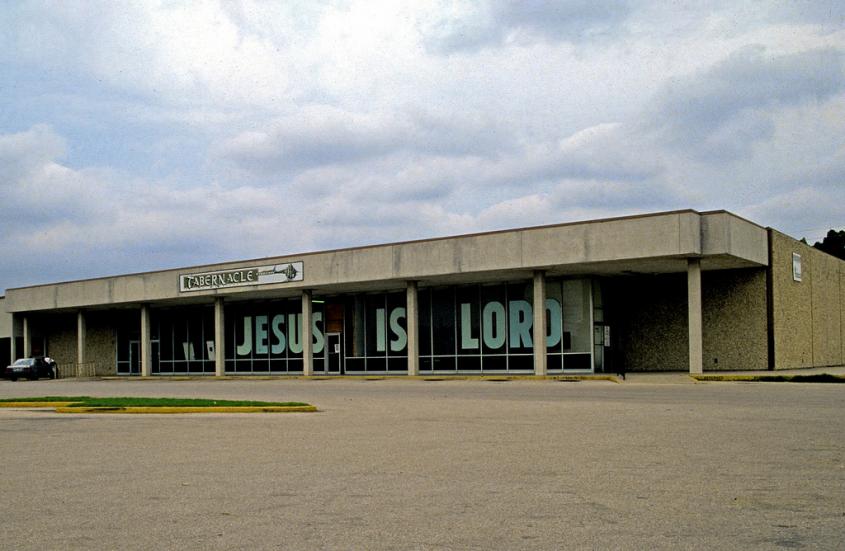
[467, 328]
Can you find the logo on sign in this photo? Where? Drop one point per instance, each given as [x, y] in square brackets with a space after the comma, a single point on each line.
[241, 277]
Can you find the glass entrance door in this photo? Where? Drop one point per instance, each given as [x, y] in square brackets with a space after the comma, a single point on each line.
[334, 354]
[134, 358]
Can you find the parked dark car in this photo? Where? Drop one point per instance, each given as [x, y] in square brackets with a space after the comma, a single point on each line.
[31, 368]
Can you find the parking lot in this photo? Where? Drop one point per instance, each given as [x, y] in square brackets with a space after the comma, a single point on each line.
[399, 464]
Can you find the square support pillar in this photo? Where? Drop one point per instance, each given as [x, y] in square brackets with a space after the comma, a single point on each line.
[146, 346]
[540, 361]
[27, 338]
[13, 353]
[80, 337]
[412, 317]
[696, 350]
[307, 338]
[219, 338]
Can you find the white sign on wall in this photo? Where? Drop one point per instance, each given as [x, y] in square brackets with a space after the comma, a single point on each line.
[241, 277]
[796, 267]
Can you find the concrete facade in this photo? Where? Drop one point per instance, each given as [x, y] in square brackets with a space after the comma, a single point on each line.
[807, 315]
[682, 291]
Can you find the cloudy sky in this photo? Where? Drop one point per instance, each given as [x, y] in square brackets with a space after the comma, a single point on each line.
[146, 135]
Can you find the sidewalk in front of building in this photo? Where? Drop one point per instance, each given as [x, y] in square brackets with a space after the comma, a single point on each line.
[683, 377]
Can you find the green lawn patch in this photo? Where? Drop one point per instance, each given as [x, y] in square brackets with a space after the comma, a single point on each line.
[47, 399]
[134, 401]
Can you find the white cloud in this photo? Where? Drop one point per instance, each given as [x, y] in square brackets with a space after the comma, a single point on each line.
[160, 134]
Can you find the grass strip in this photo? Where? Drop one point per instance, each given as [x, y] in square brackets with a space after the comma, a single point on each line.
[46, 399]
[135, 401]
[187, 409]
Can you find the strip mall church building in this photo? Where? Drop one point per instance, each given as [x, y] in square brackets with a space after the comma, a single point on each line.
[683, 290]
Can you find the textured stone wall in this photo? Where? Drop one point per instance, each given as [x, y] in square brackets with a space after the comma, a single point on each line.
[735, 325]
[807, 315]
[648, 316]
[60, 330]
[101, 345]
[60, 333]
[650, 320]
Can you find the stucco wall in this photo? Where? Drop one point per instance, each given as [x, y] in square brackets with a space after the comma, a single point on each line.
[650, 314]
[806, 315]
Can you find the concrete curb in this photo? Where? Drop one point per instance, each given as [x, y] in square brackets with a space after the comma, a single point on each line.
[170, 410]
[610, 378]
[814, 378]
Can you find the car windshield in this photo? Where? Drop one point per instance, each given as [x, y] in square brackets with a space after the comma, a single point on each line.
[25, 361]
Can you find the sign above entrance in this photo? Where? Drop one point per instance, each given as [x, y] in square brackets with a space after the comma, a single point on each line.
[241, 277]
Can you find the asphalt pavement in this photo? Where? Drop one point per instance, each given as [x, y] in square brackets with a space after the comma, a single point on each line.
[431, 465]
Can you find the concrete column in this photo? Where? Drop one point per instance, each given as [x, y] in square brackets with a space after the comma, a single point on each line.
[80, 337]
[146, 346]
[696, 353]
[219, 338]
[12, 345]
[412, 317]
[27, 338]
[307, 345]
[540, 363]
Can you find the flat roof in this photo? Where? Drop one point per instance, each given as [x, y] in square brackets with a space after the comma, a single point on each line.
[652, 242]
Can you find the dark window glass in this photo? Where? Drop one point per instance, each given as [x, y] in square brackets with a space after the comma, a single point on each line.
[576, 362]
[521, 363]
[443, 321]
[443, 363]
[165, 342]
[495, 363]
[554, 316]
[180, 336]
[354, 364]
[295, 366]
[229, 337]
[318, 365]
[278, 366]
[425, 364]
[243, 366]
[208, 332]
[354, 321]
[376, 364]
[424, 297]
[469, 363]
[554, 362]
[396, 365]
